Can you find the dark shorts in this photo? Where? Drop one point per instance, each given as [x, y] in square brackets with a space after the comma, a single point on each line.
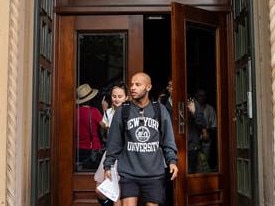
[147, 190]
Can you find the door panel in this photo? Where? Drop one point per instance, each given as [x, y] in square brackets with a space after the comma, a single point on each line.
[42, 181]
[78, 188]
[245, 98]
[193, 68]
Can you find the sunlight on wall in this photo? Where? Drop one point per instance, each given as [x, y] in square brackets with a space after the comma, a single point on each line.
[4, 29]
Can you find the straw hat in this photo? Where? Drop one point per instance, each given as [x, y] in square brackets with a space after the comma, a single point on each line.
[85, 93]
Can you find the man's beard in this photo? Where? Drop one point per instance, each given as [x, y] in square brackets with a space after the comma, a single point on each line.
[140, 97]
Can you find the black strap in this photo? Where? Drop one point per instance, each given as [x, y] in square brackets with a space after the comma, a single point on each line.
[125, 111]
[157, 110]
[90, 122]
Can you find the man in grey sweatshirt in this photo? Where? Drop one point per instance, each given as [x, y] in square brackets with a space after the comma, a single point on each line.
[141, 148]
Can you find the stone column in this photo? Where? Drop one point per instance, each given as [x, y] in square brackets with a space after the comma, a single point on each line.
[18, 103]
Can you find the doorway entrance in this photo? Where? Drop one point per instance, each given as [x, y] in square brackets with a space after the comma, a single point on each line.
[191, 54]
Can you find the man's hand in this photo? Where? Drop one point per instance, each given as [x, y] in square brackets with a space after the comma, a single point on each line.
[204, 134]
[174, 171]
[191, 106]
[108, 174]
[104, 104]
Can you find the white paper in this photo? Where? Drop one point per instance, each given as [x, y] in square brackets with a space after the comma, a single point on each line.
[110, 188]
[99, 174]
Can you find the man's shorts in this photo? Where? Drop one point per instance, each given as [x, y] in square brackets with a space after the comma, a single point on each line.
[148, 190]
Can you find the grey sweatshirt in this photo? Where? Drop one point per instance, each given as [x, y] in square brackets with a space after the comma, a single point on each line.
[138, 146]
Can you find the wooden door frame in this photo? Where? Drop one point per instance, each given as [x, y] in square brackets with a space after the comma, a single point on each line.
[137, 6]
[60, 98]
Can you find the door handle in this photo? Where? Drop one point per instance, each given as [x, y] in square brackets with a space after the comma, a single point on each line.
[181, 117]
[249, 92]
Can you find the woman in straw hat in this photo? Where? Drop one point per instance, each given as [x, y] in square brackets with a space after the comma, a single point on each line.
[88, 125]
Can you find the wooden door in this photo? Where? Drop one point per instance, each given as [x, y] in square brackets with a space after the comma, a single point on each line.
[78, 188]
[198, 60]
[42, 145]
[247, 187]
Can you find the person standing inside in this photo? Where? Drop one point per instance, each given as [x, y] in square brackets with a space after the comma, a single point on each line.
[196, 123]
[119, 94]
[141, 147]
[88, 125]
[209, 143]
[166, 97]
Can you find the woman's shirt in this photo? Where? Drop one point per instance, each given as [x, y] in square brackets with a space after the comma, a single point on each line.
[88, 127]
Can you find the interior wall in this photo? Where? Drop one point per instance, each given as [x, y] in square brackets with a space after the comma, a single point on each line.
[157, 51]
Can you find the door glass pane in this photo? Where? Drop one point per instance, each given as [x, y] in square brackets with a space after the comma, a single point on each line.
[201, 78]
[101, 64]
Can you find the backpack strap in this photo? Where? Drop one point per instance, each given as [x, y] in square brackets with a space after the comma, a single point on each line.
[125, 111]
[157, 116]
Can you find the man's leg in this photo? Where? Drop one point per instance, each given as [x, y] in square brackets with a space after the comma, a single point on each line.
[152, 191]
[129, 201]
[151, 204]
[129, 192]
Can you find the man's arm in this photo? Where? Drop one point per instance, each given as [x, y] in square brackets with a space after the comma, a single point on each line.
[115, 140]
[168, 140]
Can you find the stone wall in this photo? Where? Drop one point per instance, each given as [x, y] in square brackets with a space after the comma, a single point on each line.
[16, 57]
[264, 78]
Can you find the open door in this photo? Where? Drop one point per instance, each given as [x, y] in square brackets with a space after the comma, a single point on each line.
[99, 50]
[198, 64]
